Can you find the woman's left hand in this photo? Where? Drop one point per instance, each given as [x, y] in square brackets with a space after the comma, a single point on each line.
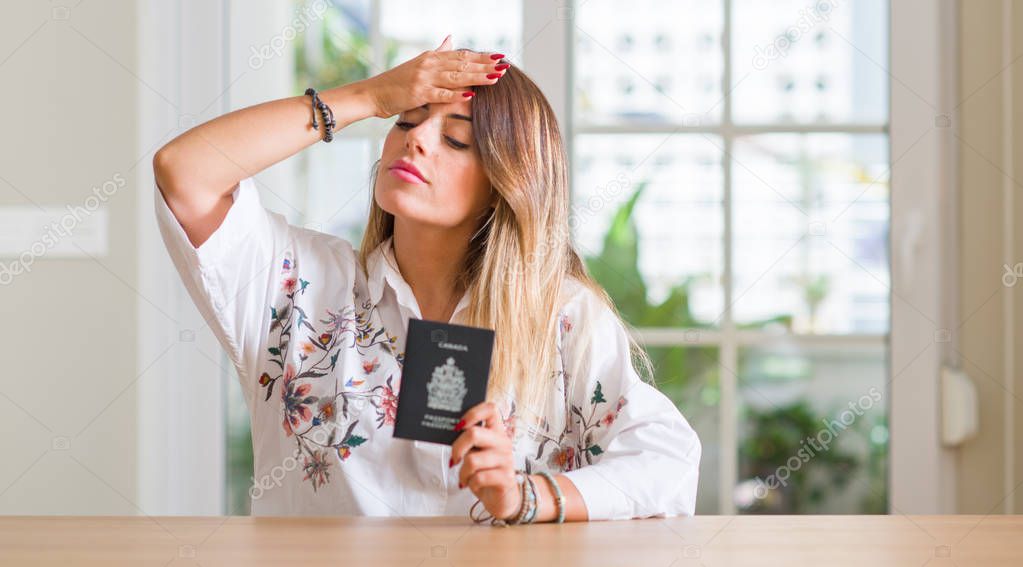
[488, 463]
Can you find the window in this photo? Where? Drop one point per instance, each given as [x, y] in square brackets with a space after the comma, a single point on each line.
[743, 147]
[730, 175]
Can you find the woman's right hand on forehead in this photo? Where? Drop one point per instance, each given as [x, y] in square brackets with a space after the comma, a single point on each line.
[438, 76]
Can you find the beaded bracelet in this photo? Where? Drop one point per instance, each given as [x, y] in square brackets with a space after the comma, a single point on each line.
[536, 503]
[527, 510]
[559, 498]
[328, 123]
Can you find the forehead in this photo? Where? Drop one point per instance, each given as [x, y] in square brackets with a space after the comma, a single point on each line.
[460, 111]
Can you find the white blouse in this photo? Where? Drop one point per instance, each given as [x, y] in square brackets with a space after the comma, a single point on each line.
[318, 345]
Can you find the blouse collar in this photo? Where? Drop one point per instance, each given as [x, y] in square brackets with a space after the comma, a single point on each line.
[382, 268]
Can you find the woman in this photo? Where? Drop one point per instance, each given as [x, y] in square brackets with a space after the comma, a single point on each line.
[469, 224]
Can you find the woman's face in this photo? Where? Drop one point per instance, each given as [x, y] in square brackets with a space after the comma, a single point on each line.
[437, 140]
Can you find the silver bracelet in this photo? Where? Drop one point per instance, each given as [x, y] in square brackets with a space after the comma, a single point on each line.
[559, 498]
[528, 507]
[527, 510]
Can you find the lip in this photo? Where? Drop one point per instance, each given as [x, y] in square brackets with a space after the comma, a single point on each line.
[404, 169]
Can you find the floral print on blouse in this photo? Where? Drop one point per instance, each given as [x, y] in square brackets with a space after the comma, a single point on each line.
[318, 345]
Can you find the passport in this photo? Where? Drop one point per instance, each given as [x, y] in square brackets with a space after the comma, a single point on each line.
[445, 373]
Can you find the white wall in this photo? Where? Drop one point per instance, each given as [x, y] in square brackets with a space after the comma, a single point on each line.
[68, 109]
[989, 132]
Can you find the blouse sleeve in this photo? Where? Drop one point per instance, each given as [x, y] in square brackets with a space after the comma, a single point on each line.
[229, 276]
[639, 456]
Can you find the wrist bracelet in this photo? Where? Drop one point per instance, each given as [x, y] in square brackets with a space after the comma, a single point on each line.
[528, 507]
[559, 498]
[536, 501]
[325, 111]
[527, 510]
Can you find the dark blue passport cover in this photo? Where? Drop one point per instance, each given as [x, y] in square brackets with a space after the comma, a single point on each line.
[445, 373]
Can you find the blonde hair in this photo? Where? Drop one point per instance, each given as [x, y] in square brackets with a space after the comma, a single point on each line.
[522, 253]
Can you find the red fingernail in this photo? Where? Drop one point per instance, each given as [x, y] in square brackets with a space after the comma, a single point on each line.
[502, 66]
[494, 76]
[459, 484]
[459, 425]
[468, 94]
[451, 462]
[497, 56]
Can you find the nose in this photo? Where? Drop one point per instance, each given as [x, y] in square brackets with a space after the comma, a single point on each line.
[417, 138]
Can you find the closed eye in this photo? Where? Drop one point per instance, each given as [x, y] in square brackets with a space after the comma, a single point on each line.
[404, 125]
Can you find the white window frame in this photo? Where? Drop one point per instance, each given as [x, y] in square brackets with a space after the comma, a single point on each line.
[181, 434]
[921, 65]
[924, 250]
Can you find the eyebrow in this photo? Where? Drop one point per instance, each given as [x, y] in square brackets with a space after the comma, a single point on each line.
[452, 115]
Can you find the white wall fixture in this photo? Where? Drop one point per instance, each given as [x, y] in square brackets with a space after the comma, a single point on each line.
[959, 408]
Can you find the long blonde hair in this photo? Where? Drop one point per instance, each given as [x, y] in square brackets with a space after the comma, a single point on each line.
[520, 256]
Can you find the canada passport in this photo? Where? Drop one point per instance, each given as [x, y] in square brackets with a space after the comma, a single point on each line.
[445, 373]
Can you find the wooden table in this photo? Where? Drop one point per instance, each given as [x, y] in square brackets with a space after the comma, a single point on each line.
[705, 540]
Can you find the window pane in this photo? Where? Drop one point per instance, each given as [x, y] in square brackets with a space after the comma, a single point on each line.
[661, 260]
[337, 178]
[650, 61]
[689, 376]
[412, 27]
[813, 433]
[810, 61]
[238, 448]
[811, 231]
[333, 49]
